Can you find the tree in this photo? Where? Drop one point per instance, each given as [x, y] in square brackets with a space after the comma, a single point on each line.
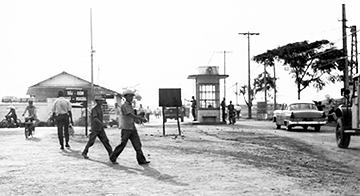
[310, 63]
[244, 91]
[259, 83]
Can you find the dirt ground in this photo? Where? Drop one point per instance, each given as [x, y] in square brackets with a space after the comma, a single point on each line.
[204, 160]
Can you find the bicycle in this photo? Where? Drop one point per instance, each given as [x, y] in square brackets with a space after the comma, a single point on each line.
[29, 127]
[9, 122]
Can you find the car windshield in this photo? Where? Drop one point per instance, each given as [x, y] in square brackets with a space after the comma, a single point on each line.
[303, 106]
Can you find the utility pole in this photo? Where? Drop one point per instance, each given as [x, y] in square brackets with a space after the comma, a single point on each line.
[265, 90]
[354, 52]
[346, 69]
[274, 88]
[237, 94]
[249, 76]
[92, 55]
[225, 69]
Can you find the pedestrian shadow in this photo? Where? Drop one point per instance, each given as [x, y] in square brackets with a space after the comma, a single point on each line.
[72, 153]
[146, 171]
[154, 173]
[35, 139]
[129, 170]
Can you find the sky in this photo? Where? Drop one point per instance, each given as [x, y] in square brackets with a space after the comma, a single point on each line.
[159, 43]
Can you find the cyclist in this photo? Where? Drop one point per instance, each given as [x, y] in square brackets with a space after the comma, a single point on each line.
[12, 115]
[31, 109]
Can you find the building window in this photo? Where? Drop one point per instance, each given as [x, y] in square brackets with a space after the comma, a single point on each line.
[207, 93]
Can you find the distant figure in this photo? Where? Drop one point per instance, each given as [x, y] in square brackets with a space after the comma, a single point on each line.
[223, 108]
[117, 114]
[141, 111]
[238, 111]
[62, 113]
[157, 113]
[193, 107]
[232, 113]
[147, 114]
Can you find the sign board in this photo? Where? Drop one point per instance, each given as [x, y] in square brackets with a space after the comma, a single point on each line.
[170, 97]
[76, 95]
[261, 107]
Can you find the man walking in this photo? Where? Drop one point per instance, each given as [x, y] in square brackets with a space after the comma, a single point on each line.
[147, 114]
[97, 128]
[193, 107]
[129, 130]
[61, 113]
[232, 113]
[223, 108]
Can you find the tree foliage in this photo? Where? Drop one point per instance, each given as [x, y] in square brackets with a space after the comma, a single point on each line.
[244, 91]
[259, 83]
[310, 63]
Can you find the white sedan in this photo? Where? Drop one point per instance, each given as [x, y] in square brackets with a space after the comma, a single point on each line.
[299, 113]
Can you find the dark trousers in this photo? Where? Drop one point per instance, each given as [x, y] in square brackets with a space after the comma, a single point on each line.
[223, 115]
[102, 137]
[133, 135]
[147, 117]
[193, 113]
[62, 121]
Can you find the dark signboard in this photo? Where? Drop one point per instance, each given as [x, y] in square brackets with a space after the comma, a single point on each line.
[76, 95]
[170, 97]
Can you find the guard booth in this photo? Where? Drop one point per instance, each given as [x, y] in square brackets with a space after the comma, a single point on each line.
[208, 94]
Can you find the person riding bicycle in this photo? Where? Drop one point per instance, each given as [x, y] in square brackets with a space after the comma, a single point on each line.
[12, 115]
[31, 109]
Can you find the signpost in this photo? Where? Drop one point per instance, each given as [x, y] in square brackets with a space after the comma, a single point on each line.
[78, 95]
[170, 98]
[261, 110]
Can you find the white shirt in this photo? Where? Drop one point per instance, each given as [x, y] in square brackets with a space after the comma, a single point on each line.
[61, 106]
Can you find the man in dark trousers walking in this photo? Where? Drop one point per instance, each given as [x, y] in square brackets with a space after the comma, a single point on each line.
[97, 128]
[223, 108]
[62, 113]
[193, 107]
[128, 130]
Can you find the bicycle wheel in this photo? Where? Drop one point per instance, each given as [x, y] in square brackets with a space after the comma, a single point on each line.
[27, 132]
[3, 123]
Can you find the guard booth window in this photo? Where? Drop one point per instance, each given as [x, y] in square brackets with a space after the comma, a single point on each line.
[207, 97]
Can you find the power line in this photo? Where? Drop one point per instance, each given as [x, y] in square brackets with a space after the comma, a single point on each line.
[211, 58]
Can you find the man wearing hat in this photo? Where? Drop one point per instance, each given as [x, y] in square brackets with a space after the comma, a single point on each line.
[97, 128]
[128, 130]
[61, 113]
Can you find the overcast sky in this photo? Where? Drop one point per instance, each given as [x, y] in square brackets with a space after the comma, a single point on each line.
[156, 44]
